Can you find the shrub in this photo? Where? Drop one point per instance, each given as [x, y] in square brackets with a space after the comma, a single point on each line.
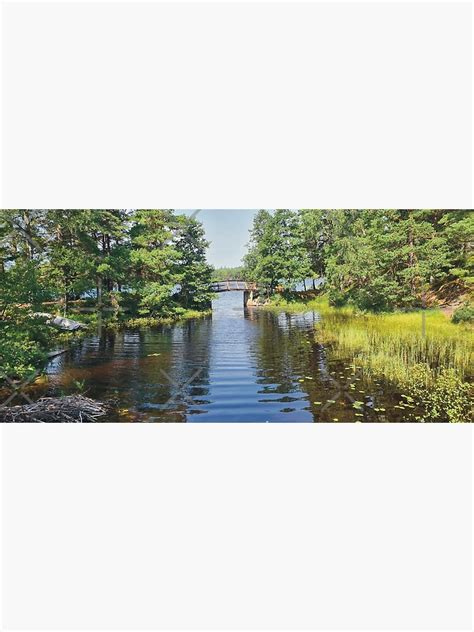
[464, 314]
[337, 298]
[19, 354]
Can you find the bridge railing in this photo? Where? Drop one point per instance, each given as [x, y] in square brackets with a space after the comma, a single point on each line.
[228, 285]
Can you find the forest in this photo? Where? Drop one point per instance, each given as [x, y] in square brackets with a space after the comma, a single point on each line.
[376, 260]
[224, 273]
[397, 300]
[140, 265]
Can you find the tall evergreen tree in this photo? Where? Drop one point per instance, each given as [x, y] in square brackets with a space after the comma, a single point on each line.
[154, 258]
[277, 254]
[193, 272]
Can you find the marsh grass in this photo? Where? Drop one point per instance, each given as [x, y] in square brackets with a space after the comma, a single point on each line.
[392, 344]
[144, 321]
[423, 354]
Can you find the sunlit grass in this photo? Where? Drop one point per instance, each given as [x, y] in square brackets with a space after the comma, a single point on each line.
[392, 344]
[147, 321]
[421, 353]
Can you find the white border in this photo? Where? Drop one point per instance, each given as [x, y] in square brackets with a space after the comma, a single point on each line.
[2, 428]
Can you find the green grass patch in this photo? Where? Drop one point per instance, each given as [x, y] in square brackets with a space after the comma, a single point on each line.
[422, 353]
[144, 321]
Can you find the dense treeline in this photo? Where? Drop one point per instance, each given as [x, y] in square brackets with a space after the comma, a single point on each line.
[142, 263]
[154, 258]
[374, 259]
[225, 273]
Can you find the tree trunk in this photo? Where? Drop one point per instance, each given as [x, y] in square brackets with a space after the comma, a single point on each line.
[99, 292]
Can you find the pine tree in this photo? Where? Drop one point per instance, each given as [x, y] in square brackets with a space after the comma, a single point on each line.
[277, 254]
[193, 272]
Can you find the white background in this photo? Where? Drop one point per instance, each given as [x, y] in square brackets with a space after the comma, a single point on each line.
[237, 105]
[222, 105]
[237, 526]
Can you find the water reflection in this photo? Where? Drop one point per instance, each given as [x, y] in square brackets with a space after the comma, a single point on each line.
[236, 366]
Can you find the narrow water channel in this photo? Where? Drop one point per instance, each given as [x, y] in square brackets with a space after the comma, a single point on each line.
[239, 365]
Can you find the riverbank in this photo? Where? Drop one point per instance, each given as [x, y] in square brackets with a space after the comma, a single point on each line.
[27, 344]
[147, 321]
[422, 353]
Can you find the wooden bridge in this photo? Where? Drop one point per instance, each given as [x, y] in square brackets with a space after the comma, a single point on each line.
[235, 285]
[252, 290]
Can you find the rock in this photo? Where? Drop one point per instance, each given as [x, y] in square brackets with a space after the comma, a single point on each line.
[65, 324]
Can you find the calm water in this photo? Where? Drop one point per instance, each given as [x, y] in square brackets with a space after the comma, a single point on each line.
[238, 365]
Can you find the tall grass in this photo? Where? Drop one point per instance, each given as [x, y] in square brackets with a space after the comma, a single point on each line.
[392, 344]
[428, 358]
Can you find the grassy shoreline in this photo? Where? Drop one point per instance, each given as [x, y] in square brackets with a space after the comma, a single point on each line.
[147, 321]
[427, 357]
[25, 347]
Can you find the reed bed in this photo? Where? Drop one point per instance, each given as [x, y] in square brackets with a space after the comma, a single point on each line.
[422, 355]
[427, 358]
[392, 344]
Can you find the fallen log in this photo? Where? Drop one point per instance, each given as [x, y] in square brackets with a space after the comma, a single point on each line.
[68, 409]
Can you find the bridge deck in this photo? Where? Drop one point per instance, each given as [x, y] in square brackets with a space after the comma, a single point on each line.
[233, 285]
[230, 285]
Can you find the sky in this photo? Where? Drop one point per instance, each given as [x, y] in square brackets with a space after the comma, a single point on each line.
[228, 232]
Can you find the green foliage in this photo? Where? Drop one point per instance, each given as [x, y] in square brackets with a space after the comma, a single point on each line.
[464, 314]
[223, 274]
[181, 314]
[376, 260]
[20, 284]
[444, 397]
[379, 260]
[22, 346]
[19, 355]
[423, 354]
[277, 255]
[194, 273]
[151, 263]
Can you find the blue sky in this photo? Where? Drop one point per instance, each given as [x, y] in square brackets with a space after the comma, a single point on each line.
[228, 232]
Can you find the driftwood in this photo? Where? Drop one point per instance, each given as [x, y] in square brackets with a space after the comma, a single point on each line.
[69, 409]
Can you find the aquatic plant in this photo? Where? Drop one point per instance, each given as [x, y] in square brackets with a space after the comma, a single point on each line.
[444, 397]
[422, 353]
